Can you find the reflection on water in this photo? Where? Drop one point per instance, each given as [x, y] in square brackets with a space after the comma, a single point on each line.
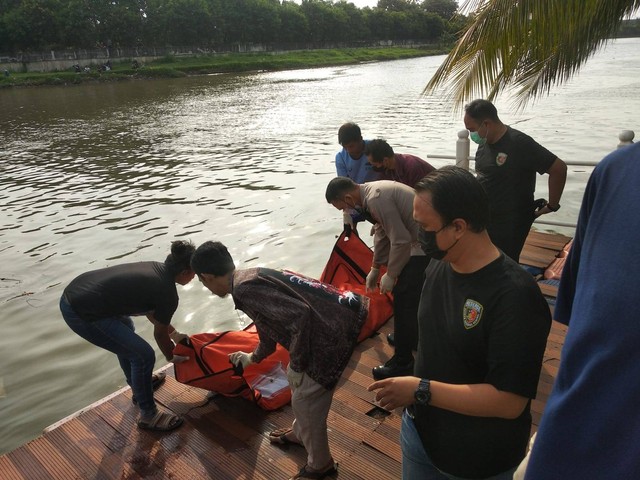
[95, 175]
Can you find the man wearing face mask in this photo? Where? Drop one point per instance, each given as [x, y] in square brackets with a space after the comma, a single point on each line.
[388, 205]
[483, 325]
[398, 167]
[506, 162]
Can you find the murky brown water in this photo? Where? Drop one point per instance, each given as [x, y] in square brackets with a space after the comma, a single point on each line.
[95, 175]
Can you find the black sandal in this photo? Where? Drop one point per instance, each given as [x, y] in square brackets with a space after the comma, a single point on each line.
[312, 474]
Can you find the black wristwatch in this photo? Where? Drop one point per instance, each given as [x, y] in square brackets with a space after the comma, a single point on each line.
[553, 208]
[423, 393]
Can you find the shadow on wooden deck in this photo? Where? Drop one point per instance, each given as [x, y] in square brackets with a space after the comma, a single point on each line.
[225, 438]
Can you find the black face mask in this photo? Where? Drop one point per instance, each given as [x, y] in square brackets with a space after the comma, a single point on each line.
[429, 244]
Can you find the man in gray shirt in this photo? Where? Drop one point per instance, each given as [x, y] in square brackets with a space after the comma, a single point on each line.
[389, 206]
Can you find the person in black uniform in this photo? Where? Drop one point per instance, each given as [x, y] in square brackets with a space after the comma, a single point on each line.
[98, 306]
[506, 162]
[483, 325]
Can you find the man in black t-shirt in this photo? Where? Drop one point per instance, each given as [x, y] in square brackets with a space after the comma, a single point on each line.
[483, 325]
[506, 163]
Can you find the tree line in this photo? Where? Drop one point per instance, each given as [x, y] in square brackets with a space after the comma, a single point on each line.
[30, 25]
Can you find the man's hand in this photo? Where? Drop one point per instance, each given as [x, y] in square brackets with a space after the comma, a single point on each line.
[395, 392]
[177, 337]
[178, 359]
[372, 279]
[241, 359]
[387, 282]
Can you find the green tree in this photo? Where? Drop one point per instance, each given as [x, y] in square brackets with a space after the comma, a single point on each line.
[75, 21]
[293, 24]
[32, 25]
[445, 9]
[397, 5]
[326, 23]
[528, 44]
[380, 24]
[118, 22]
[356, 27]
[179, 22]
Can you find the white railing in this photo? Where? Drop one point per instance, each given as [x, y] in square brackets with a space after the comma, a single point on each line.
[463, 159]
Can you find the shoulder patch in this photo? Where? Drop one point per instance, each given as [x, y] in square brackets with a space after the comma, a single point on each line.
[501, 159]
[472, 313]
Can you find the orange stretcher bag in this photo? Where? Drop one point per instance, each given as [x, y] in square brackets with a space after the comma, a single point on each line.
[208, 367]
[265, 383]
[347, 269]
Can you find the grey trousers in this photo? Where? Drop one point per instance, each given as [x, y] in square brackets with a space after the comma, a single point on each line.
[311, 402]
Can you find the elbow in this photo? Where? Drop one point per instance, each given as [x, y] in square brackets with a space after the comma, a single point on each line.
[514, 408]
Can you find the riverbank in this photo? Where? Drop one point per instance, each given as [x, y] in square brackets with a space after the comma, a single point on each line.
[172, 67]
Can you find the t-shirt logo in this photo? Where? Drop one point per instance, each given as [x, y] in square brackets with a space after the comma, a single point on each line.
[471, 314]
[501, 158]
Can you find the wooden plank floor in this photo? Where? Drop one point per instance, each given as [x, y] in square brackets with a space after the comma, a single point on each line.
[225, 438]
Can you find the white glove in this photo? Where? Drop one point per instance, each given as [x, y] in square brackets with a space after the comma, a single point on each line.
[178, 359]
[241, 358]
[372, 279]
[387, 282]
[177, 337]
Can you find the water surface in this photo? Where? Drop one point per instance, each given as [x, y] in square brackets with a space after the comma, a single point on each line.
[95, 175]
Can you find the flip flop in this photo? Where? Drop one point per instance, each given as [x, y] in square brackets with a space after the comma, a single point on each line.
[157, 379]
[280, 437]
[312, 474]
[160, 422]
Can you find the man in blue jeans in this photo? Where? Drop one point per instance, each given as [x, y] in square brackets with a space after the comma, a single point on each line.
[483, 325]
[98, 305]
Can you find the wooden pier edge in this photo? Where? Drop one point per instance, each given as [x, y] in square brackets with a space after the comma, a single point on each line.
[225, 438]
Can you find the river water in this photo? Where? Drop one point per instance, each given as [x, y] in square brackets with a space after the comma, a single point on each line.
[96, 175]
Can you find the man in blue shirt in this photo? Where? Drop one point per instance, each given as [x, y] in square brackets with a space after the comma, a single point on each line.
[352, 162]
[591, 425]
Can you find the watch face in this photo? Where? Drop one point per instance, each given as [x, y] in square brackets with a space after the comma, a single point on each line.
[422, 397]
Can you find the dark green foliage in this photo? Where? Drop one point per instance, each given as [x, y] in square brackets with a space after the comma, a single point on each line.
[42, 25]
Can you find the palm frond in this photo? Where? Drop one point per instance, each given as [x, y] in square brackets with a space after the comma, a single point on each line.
[528, 44]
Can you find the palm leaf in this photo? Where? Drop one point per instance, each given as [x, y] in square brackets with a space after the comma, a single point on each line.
[529, 45]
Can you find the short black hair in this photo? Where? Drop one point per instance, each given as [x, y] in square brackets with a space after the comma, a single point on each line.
[213, 258]
[481, 109]
[349, 132]
[180, 257]
[339, 187]
[456, 193]
[378, 150]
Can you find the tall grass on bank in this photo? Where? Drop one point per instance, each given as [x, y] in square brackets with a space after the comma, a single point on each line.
[173, 66]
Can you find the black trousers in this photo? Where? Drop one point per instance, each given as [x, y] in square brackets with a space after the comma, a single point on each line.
[406, 298]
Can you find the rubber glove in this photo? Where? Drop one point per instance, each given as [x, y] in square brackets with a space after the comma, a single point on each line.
[372, 279]
[178, 359]
[177, 337]
[241, 358]
[387, 283]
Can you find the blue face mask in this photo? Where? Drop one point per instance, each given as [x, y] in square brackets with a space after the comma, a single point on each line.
[476, 138]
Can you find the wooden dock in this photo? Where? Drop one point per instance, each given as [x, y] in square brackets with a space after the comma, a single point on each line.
[225, 438]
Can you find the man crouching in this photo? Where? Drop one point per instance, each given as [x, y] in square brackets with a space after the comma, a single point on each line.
[317, 323]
